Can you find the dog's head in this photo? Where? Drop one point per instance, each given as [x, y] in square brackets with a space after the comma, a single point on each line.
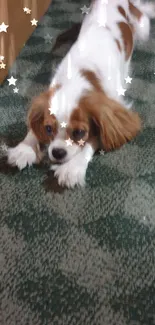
[67, 129]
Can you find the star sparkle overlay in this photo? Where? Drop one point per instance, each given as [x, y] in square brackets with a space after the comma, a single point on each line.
[121, 91]
[1, 58]
[48, 38]
[27, 10]
[3, 27]
[101, 22]
[81, 143]
[63, 124]
[69, 142]
[85, 10]
[54, 68]
[4, 148]
[12, 81]
[16, 90]
[2, 65]
[34, 22]
[88, 158]
[128, 80]
[141, 25]
[102, 152]
[102, 15]
[50, 109]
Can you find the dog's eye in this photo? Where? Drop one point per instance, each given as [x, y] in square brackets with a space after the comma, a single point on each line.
[48, 129]
[78, 134]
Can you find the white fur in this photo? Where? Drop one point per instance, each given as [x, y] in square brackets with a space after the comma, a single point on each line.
[21, 156]
[95, 48]
[24, 153]
[142, 27]
[73, 172]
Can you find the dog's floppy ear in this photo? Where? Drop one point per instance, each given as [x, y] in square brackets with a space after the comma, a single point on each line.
[117, 124]
[39, 112]
[36, 117]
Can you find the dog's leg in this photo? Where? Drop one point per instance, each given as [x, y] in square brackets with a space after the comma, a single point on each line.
[26, 152]
[73, 172]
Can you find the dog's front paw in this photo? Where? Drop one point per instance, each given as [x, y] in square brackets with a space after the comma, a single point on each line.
[21, 156]
[70, 174]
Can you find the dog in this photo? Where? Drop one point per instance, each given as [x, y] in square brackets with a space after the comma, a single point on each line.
[84, 108]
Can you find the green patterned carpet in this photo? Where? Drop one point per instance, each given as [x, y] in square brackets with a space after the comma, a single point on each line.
[83, 256]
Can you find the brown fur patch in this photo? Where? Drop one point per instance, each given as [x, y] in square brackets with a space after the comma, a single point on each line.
[135, 11]
[78, 120]
[122, 11]
[118, 45]
[39, 116]
[116, 124]
[109, 124]
[127, 38]
[92, 78]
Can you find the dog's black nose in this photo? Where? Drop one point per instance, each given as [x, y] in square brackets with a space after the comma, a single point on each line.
[59, 153]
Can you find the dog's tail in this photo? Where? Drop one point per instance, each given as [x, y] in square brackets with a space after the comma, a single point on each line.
[140, 15]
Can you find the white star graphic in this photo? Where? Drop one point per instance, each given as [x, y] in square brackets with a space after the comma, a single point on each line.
[15, 90]
[69, 142]
[50, 109]
[101, 23]
[102, 152]
[34, 22]
[3, 28]
[1, 57]
[81, 142]
[25, 9]
[28, 11]
[48, 38]
[12, 81]
[121, 91]
[63, 124]
[2, 65]
[85, 10]
[4, 147]
[88, 158]
[54, 68]
[141, 25]
[128, 80]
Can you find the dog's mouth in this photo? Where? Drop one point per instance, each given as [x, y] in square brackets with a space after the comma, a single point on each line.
[56, 162]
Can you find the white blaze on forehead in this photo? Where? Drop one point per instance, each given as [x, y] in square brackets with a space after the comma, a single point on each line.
[66, 99]
[58, 103]
[54, 104]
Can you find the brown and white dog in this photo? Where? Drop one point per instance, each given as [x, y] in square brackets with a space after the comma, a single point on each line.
[84, 108]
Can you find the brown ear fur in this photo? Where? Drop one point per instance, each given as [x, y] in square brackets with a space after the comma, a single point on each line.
[36, 117]
[39, 111]
[117, 124]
